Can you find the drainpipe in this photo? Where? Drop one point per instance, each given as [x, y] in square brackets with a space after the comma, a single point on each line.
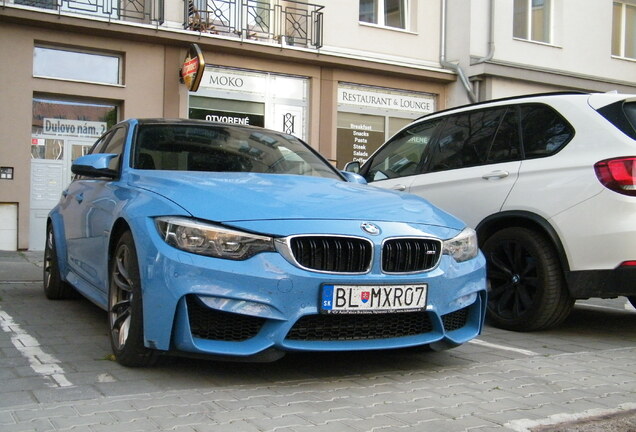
[453, 66]
[491, 35]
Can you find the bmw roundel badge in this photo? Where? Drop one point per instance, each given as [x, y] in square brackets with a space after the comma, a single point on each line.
[370, 228]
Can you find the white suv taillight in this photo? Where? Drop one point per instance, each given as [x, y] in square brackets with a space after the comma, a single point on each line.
[618, 174]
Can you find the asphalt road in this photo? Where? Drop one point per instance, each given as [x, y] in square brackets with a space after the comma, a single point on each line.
[57, 374]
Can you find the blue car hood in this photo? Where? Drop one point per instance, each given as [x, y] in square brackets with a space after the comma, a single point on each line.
[237, 197]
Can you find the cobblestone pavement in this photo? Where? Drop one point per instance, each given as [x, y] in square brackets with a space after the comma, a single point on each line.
[57, 374]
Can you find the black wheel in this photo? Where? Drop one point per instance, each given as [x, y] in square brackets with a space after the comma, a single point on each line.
[54, 287]
[527, 290]
[632, 300]
[125, 313]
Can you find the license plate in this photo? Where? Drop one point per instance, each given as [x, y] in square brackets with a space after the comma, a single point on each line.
[373, 299]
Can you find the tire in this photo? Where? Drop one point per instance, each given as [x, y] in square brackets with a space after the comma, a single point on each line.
[54, 287]
[527, 290]
[125, 312]
[632, 300]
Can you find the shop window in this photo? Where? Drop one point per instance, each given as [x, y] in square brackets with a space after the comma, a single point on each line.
[386, 13]
[359, 135]
[73, 65]
[533, 20]
[227, 111]
[624, 30]
[56, 120]
[52, 149]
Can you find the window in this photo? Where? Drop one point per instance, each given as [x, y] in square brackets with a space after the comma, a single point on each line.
[476, 138]
[216, 148]
[387, 13]
[544, 131]
[403, 156]
[624, 30]
[113, 142]
[76, 65]
[533, 20]
[47, 4]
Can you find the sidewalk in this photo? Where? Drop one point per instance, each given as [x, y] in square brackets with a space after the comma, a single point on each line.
[22, 266]
[524, 394]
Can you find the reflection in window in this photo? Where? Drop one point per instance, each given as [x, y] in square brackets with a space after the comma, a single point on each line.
[624, 30]
[404, 155]
[533, 20]
[388, 13]
[52, 149]
[76, 65]
[71, 118]
[544, 131]
[220, 148]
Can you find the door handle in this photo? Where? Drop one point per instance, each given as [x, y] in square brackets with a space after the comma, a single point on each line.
[79, 198]
[495, 175]
[399, 187]
[65, 193]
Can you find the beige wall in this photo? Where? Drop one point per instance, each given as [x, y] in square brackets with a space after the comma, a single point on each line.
[151, 85]
[15, 120]
[141, 95]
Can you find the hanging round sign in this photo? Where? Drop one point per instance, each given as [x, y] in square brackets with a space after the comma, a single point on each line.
[192, 68]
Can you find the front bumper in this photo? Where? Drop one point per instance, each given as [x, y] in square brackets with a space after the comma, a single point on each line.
[208, 306]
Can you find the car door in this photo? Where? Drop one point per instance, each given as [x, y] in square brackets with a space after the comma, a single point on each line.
[474, 163]
[89, 216]
[471, 164]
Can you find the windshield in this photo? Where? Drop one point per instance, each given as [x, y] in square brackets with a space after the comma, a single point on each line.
[218, 148]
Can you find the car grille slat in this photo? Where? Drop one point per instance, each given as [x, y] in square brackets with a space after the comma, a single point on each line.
[332, 254]
[344, 327]
[405, 255]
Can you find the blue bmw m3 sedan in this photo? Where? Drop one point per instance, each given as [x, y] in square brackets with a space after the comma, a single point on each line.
[239, 242]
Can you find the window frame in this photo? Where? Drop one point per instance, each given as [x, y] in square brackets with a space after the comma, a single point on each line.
[380, 15]
[529, 21]
[622, 30]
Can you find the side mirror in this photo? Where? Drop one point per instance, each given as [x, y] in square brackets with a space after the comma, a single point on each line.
[353, 167]
[94, 165]
[353, 177]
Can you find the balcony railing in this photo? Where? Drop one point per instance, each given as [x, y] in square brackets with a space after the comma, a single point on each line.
[289, 22]
[141, 11]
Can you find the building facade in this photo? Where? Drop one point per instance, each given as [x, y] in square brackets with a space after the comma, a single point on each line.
[342, 75]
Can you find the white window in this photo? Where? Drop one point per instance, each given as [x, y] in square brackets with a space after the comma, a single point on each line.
[76, 65]
[386, 13]
[533, 20]
[624, 30]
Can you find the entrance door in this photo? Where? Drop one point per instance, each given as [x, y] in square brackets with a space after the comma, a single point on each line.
[51, 159]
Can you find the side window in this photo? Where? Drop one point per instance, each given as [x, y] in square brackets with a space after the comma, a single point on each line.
[402, 156]
[472, 138]
[99, 145]
[544, 131]
[507, 144]
[115, 144]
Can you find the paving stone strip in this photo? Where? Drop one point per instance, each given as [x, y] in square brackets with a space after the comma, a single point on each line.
[528, 393]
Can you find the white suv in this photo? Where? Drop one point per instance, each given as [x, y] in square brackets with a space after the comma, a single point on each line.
[549, 183]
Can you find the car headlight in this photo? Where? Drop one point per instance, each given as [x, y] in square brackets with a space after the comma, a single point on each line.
[211, 240]
[463, 246]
